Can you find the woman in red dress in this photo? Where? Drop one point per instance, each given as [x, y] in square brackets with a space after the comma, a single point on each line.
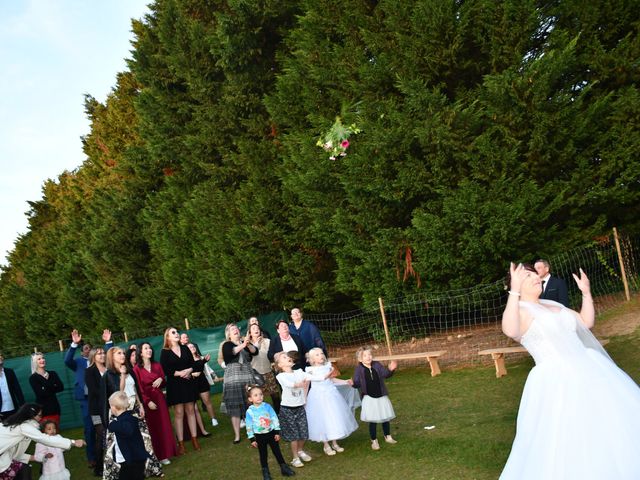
[151, 380]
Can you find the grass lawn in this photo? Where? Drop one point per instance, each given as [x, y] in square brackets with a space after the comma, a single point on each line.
[474, 414]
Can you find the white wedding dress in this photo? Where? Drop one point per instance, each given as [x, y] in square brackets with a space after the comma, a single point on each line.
[579, 417]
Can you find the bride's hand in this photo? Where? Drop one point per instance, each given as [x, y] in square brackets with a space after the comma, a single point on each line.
[583, 282]
[518, 274]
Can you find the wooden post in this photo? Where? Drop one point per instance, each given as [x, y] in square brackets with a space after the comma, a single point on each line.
[61, 346]
[622, 271]
[186, 323]
[384, 323]
[35, 349]
[126, 338]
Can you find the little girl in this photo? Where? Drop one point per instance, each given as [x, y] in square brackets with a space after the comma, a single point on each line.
[329, 417]
[53, 467]
[369, 377]
[263, 429]
[293, 418]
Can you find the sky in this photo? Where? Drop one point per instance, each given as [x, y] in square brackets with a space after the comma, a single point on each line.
[52, 53]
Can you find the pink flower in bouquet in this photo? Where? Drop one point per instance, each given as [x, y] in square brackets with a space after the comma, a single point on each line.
[344, 144]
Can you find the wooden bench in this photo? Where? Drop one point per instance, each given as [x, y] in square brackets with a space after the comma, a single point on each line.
[498, 356]
[432, 358]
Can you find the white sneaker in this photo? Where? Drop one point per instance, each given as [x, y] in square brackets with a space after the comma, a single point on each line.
[375, 445]
[242, 424]
[214, 422]
[389, 439]
[304, 455]
[296, 462]
[166, 461]
[337, 448]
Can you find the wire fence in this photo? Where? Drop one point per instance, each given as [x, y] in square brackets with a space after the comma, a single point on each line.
[462, 322]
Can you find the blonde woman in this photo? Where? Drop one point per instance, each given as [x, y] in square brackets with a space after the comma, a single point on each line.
[93, 380]
[118, 378]
[45, 385]
[237, 353]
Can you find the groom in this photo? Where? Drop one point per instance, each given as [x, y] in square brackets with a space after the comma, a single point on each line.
[553, 288]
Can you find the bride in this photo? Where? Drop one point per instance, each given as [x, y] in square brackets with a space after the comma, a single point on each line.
[579, 415]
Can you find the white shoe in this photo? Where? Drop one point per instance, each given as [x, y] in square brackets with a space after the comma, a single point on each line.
[166, 461]
[375, 445]
[389, 439]
[214, 422]
[296, 462]
[304, 455]
[337, 448]
[328, 450]
[242, 424]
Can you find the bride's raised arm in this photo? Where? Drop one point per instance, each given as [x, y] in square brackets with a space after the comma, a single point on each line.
[587, 311]
[511, 315]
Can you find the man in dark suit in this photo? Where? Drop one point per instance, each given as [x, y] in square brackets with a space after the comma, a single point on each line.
[553, 288]
[11, 397]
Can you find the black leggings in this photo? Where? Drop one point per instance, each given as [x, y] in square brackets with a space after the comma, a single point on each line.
[264, 439]
[386, 429]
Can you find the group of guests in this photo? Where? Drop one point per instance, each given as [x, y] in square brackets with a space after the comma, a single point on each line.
[152, 388]
[306, 402]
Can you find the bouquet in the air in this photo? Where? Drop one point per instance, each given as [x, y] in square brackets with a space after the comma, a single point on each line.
[336, 140]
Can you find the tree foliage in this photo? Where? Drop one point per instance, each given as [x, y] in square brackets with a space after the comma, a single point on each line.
[490, 131]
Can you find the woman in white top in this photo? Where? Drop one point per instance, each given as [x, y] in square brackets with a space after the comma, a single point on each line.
[16, 434]
[285, 341]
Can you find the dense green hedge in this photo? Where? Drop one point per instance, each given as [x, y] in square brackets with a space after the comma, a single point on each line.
[489, 131]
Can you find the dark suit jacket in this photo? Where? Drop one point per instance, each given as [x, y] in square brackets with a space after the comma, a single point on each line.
[93, 381]
[556, 289]
[14, 389]
[46, 390]
[127, 430]
[275, 346]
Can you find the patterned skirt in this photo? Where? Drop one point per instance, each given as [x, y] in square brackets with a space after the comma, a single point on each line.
[234, 394]
[111, 471]
[293, 423]
[13, 470]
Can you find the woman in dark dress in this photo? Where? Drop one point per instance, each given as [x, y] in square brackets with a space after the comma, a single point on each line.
[93, 380]
[177, 363]
[45, 385]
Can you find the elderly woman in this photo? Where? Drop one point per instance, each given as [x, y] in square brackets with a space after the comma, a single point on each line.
[16, 434]
[575, 397]
[177, 363]
[93, 381]
[237, 353]
[45, 385]
[262, 364]
[118, 377]
[286, 342]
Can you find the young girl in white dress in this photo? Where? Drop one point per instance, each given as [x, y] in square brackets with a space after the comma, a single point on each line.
[328, 415]
[53, 466]
[579, 414]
